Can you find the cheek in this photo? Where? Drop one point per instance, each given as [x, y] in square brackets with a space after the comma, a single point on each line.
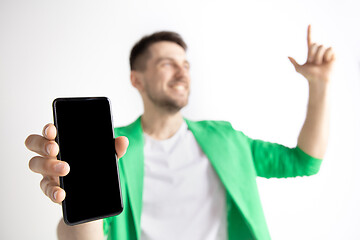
[154, 83]
[165, 74]
[162, 78]
[159, 78]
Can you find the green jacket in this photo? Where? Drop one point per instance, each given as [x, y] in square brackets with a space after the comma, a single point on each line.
[237, 160]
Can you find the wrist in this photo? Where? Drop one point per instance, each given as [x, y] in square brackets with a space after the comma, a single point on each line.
[318, 92]
[319, 87]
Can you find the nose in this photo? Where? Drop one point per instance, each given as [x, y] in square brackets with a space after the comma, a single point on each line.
[180, 71]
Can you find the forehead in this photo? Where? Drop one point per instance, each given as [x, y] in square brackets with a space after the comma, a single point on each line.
[167, 49]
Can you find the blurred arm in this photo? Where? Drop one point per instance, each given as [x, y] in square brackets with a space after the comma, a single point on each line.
[87, 231]
[313, 137]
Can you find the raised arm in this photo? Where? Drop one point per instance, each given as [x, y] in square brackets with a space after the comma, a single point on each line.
[317, 70]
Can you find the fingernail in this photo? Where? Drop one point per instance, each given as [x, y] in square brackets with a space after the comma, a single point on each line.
[59, 167]
[54, 196]
[46, 130]
[48, 148]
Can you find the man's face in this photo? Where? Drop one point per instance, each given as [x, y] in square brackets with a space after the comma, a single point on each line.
[166, 79]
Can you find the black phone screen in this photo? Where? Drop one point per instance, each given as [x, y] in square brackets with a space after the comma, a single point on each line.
[86, 142]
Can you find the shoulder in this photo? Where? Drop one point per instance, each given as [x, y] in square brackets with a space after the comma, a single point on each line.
[209, 125]
[220, 133]
[222, 128]
[128, 129]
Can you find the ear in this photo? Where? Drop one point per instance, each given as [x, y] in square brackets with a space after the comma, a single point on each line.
[136, 80]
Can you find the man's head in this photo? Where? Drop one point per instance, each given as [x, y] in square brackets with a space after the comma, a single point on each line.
[160, 71]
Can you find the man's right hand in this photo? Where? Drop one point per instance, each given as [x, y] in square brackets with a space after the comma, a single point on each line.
[49, 166]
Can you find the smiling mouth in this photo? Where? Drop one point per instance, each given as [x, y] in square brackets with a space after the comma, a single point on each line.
[178, 87]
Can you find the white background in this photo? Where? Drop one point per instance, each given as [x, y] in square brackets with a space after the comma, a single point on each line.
[240, 72]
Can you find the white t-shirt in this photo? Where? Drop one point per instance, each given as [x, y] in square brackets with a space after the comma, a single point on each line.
[183, 197]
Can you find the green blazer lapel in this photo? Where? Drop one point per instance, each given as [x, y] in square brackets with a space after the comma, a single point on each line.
[133, 164]
[230, 160]
[220, 147]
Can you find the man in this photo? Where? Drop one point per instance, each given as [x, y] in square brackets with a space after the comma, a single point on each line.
[190, 180]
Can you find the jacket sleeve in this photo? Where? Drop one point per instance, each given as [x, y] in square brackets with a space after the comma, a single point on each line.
[275, 160]
[106, 226]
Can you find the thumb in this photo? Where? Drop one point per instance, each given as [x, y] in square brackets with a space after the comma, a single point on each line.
[121, 145]
[296, 65]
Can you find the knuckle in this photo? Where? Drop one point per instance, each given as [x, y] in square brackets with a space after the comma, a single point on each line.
[37, 164]
[49, 191]
[32, 163]
[41, 165]
[29, 141]
[43, 184]
[48, 188]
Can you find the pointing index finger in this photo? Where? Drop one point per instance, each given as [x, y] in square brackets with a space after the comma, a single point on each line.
[309, 36]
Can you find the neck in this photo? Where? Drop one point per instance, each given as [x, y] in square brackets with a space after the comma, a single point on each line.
[161, 125]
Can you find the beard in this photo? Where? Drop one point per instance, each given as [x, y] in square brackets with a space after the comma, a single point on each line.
[169, 104]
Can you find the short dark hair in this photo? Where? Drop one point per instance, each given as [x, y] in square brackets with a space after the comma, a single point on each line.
[139, 53]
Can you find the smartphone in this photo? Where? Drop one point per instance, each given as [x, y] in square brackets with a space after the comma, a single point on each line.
[85, 136]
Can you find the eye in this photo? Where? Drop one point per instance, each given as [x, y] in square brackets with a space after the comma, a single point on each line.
[166, 64]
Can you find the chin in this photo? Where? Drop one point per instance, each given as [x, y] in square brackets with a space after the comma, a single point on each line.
[182, 102]
[174, 106]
